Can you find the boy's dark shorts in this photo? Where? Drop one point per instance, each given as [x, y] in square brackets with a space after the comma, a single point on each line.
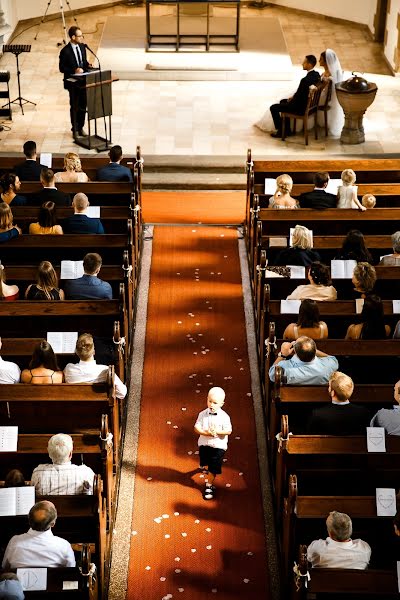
[211, 458]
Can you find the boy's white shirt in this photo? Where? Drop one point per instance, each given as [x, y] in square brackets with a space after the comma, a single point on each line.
[220, 422]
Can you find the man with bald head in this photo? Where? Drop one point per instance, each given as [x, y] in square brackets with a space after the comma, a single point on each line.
[213, 426]
[39, 547]
[303, 363]
[79, 222]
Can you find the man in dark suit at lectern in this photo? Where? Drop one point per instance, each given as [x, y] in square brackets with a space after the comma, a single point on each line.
[73, 61]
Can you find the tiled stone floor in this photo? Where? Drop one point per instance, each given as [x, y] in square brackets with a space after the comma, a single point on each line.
[197, 117]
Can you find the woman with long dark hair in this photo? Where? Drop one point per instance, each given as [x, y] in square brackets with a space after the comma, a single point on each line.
[354, 248]
[47, 221]
[372, 326]
[43, 367]
[308, 323]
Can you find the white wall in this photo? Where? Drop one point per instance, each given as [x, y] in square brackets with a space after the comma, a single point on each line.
[392, 32]
[359, 11]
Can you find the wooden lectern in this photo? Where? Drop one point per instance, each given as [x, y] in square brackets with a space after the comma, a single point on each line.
[98, 106]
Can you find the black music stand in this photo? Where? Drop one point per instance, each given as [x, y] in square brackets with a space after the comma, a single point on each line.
[17, 49]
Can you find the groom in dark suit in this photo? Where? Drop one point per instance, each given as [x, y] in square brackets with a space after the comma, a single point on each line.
[73, 61]
[298, 102]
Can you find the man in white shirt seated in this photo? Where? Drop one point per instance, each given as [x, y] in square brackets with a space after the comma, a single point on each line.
[87, 370]
[339, 551]
[61, 477]
[39, 547]
[9, 371]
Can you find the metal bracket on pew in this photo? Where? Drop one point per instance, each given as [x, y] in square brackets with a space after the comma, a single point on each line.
[254, 211]
[300, 570]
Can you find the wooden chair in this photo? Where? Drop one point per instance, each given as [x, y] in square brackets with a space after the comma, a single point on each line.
[314, 94]
[324, 106]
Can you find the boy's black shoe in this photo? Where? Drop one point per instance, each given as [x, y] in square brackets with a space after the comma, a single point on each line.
[209, 492]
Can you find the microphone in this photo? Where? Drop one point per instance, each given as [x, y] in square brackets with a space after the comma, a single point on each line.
[90, 50]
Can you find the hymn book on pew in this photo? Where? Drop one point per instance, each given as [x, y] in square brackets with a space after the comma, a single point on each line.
[93, 212]
[290, 307]
[71, 269]
[332, 187]
[385, 502]
[342, 269]
[33, 579]
[8, 438]
[46, 159]
[62, 342]
[376, 439]
[16, 500]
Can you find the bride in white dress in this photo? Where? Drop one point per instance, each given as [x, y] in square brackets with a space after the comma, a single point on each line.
[333, 71]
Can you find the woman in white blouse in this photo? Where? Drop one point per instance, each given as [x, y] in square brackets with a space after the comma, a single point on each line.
[319, 288]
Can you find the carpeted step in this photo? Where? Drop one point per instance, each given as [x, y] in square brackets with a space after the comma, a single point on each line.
[193, 181]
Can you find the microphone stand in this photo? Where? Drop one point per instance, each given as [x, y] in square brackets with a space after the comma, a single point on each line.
[102, 96]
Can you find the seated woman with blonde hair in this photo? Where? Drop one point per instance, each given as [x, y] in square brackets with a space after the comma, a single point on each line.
[47, 221]
[319, 288]
[8, 230]
[301, 252]
[8, 293]
[372, 326]
[43, 367]
[46, 286]
[308, 323]
[282, 198]
[364, 278]
[72, 170]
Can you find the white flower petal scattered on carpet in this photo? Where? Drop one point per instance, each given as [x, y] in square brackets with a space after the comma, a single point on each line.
[175, 426]
[237, 437]
[190, 452]
[208, 547]
[246, 580]
[197, 521]
[248, 394]
[163, 578]
[196, 452]
[176, 514]
[178, 571]
[167, 536]
[214, 590]
[179, 322]
[249, 554]
[183, 408]
[208, 529]
[165, 516]
[177, 559]
[149, 478]
[193, 550]
[228, 485]
[134, 533]
[148, 568]
[240, 474]
[222, 339]
[157, 520]
[168, 422]
[184, 534]
[181, 589]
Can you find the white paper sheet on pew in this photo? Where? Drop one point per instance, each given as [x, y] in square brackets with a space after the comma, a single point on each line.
[376, 439]
[342, 269]
[332, 187]
[33, 579]
[46, 159]
[279, 242]
[16, 500]
[291, 236]
[290, 307]
[93, 212]
[71, 269]
[385, 502]
[62, 342]
[396, 306]
[8, 438]
[297, 272]
[70, 585]
[359, 305]
[269, 186]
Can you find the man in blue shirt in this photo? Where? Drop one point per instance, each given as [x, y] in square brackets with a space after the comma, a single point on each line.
[303, 364]
[389, 418]
[114, 171]
[89, 286]
[79, 222]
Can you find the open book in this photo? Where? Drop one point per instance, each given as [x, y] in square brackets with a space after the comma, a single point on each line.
[290, 307]
[16, 500]
[62, 342]
[342, 269]
[71, 269]
[332, 187]
[93, 212]
[269, 186]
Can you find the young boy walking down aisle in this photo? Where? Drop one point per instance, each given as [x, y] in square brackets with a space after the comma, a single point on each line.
[213, 426]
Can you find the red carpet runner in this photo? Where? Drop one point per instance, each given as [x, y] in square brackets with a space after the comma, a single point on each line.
[183, 546]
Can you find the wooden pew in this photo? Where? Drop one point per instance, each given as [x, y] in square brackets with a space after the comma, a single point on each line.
[320, 452]
[85, 574]
[95, 450]
[304, 517]
[352, 584]
[37, 408]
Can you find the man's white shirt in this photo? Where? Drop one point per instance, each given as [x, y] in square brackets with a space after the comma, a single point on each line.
[90, 372]
[9, 372]
[219, 421]
[354, 554]
[38, 549]
[60, 480]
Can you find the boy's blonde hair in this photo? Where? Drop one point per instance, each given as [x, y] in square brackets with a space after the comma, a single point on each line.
[368, 200]
[217, 393]
[284, 184]
[348, 177]
[342, 385]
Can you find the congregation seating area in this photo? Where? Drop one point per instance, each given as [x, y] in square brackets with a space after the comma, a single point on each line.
[90, 412]
[313, 475]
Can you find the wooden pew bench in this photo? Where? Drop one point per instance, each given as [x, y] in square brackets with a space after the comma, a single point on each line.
[76, 408]
[316, 453]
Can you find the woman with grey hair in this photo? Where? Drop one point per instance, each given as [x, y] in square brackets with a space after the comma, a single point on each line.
[393, 260]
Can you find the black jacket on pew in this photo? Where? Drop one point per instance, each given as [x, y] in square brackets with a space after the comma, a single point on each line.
[335, 419]
[296, 256]
[29, 170]
[317, 199]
